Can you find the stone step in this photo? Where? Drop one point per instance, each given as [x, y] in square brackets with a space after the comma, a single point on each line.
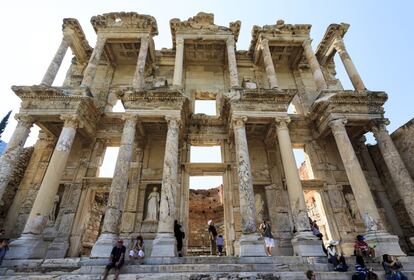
[288, 275]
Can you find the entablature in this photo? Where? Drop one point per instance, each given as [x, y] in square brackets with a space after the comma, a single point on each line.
[73, 33]
[325, 50]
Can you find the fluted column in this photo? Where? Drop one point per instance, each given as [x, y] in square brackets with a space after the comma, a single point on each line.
[9, 159]
[31, 244]
[138, 81]
[117, 194]
[231, 59]
[268, 62]
[399, 173]
[356, 177]
[54, 66]
[90, 71]
[314, 65]
[164, 243]
[178, 66]
[294, 185]
[349, 65]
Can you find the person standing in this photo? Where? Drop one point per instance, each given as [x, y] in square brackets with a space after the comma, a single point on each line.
[116, 260]
[179, 236]
[268, 237]
[212, 233]
[220, 244]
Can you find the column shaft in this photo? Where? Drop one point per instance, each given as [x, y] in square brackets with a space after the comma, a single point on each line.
[139, 79]
[356, 177]
[117, 194]
[399, 173]
[169, 178]
[268, 61]
[294, 185]
[178, 66]
[54, 66]
[231, 59]
[13, 151]
[247, 206]
[90, 71]
[48, 189]
[349, 65]
[314, 65]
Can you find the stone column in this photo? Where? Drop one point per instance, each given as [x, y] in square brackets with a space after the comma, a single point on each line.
[349, 65]
[399, 173]
[303, 242]
[31, 244]
[164, 242]
[268, 61]
[13, 151]
[90, 71]
[250, 245]
[178, 66]
[54, 66]
[231, 59]
[138, 81]
[314, 65]
[117, 194]
[387, 244]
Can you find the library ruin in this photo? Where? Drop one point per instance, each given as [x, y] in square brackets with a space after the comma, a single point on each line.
[59, 206]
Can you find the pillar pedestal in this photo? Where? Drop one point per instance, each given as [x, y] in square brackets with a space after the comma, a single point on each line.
[251, 245]
[28, 246]
[104, 245]
[164, 245]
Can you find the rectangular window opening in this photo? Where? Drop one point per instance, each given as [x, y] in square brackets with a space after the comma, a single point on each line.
[108, 165]
[303, 164]
[205, 154]
[207, 107]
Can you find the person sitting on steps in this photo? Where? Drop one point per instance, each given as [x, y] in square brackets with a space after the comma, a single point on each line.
[116, 260]
[361, 248]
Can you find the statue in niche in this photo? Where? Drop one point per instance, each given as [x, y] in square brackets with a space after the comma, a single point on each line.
[352, 206]
[259, 205]
[153, 204]
[53, 211]
[370, 223]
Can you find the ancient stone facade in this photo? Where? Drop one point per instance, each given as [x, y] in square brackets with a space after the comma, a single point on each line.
[62, 207]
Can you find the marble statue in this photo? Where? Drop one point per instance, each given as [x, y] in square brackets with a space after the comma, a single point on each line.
[153, 205]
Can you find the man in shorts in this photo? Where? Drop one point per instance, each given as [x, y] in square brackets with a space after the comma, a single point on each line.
[116, 260]
[268, 237]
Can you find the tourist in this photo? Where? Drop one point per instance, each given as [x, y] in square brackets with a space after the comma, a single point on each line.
[4, 247]
[138, 249]
[220, 243]
[392, 268]
[179, 236]
[310, 275]
[268, 237]
[212, 233]
[342, 265]
[315, 230]
[362, 249]
[362, 272]
[116, 260]
[332, 253]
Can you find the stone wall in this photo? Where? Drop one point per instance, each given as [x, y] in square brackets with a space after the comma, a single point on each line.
[204, 205]
[403, 139]
[15, 183]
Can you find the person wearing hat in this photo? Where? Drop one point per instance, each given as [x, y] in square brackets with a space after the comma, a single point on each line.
[362, 248]
[212, 233]
[332, 253]
[116, 259]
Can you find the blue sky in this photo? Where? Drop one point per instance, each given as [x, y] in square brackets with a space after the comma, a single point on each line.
[380, 39]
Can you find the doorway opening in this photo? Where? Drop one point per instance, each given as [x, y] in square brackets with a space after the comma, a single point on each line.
[317, 214]
[205, 204]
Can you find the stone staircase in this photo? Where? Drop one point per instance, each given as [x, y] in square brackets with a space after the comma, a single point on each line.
[193, 268]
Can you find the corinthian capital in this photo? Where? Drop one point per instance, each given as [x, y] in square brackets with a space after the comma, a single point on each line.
[338, 124]
[238, 121]
[24, 120]
[282, 122]
[339, 45]
[71, 121]
[173, 121]
[378, 126]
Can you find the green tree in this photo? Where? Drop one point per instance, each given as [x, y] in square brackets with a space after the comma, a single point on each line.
[4, 122]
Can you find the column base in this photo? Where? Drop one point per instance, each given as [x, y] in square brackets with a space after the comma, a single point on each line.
[28, 246]
[164, 245]
[58, 249]
[251, 245]
[385, 243]
[103, 246]
[305, 244]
